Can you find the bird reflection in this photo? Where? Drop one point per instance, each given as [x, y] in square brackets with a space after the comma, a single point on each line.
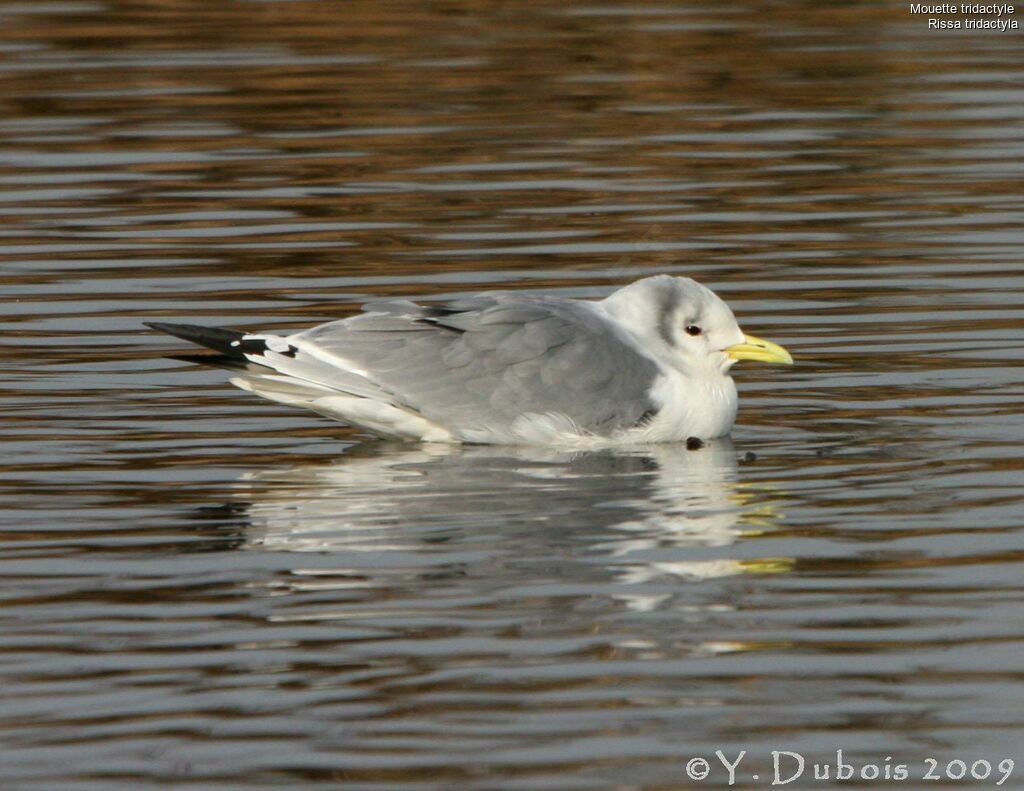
[642, 515]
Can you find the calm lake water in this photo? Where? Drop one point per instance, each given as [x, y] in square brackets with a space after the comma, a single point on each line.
[202, 590]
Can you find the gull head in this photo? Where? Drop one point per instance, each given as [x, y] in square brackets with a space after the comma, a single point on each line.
[688, 325]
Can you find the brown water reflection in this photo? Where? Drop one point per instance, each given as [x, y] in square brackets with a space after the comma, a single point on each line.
[202, 590]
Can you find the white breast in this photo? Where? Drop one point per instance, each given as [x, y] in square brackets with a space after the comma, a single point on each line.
[690, 406]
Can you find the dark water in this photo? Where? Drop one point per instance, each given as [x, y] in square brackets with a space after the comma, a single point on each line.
[201, 590]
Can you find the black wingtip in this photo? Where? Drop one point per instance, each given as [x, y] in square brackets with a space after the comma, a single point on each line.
[216, 361]
[216, 338]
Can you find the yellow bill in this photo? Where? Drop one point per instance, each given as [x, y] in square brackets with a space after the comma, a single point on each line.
[761, 350]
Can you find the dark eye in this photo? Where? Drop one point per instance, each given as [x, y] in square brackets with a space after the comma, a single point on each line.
[693, 329]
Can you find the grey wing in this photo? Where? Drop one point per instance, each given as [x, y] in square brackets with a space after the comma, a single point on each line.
[480, 363]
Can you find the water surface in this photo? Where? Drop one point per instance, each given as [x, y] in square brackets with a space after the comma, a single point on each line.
[204, 590]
